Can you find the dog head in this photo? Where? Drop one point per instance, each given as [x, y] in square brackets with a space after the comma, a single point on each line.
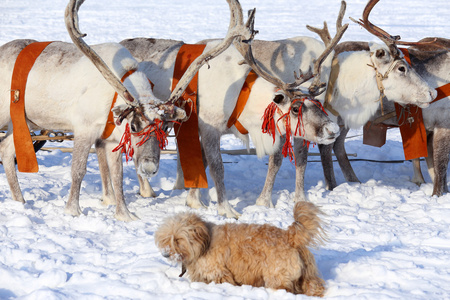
[183, 238]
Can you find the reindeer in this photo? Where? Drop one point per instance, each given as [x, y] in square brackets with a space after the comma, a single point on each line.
[224, 78]
[65, 92]
[429, 58]
[356, 85]
[236, 29]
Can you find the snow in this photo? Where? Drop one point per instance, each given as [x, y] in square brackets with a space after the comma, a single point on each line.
[388, 238]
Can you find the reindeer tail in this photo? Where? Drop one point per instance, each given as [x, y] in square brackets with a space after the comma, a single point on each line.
[306, 231]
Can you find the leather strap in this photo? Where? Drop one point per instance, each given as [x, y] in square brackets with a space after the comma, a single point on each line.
[188, 141]
[442, 92]
[413, 133]
[110, 125]
[334, 73]
[25, 155]
[412, 128]
[241, 102]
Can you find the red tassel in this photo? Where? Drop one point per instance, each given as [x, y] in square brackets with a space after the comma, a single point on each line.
[268, 125]
[155, 129]
[125, 144]
[287, 147]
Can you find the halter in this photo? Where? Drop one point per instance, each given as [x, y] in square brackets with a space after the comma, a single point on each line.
[270, 125]
[155, 129]
[380, 77]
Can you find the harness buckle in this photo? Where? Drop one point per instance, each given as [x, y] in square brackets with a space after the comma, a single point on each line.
[16, 95]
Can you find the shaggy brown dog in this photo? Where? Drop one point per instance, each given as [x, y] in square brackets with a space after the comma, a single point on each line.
[257, 255]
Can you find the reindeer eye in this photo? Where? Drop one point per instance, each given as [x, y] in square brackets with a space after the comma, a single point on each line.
[402, 69]
[133, 128]
[295, 109]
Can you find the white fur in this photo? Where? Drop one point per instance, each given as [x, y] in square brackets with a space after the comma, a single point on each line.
[356, 95]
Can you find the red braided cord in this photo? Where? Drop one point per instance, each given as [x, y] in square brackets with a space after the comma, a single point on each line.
[155, 129]
[125, 144]
[268, 125]
[287, 147]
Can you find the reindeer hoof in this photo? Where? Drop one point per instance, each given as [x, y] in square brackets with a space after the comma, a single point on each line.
[73, 211]
[227, 211]
[126, 217]
[148, 193]
[195, 204]
[106, 201]
[193, 199]
[267, 202]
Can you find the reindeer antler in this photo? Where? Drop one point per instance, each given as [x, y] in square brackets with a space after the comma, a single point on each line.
[291, 89]
[390, 40]
[71, 20]
[317, 87]
[236, 29]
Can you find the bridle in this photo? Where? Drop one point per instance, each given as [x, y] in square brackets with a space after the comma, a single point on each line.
[380, 77]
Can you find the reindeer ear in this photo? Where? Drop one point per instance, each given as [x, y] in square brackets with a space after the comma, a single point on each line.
[119, 111]
[380, 53]
[279, 97]
[175, 113]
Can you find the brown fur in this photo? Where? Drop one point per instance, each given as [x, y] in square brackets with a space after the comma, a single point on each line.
[251, 254]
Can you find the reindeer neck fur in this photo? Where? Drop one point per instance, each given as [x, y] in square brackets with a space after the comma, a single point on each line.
[356, 94]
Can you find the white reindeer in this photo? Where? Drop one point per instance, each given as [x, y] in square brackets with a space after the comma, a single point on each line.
[356, 85]
[219, 87]
[66, 92]
[431, 59]
[277, 57]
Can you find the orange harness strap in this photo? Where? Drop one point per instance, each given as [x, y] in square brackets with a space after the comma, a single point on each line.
[442, 92]
[25, 155]
[241, 102]
[413, 133]
[110, 126]
[188, 141]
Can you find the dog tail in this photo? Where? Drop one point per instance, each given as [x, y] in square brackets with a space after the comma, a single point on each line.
[307, 228]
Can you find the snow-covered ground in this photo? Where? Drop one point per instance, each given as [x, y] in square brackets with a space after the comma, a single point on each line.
[388, 238]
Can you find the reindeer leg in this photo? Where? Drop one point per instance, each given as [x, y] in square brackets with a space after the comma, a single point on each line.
[145, 189]
[418, 176]
[116, 170]
[193, 199]
[211, 145]
[179, 181]
[108, 197]
[301, 159]
[441, 145]
[327, 165]
[275, 161]
[81, 147]
[342, 158]
[7, 154]
[429, 158]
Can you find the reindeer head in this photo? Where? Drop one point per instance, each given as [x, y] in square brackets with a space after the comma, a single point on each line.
[395, 77]
[297, 110]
